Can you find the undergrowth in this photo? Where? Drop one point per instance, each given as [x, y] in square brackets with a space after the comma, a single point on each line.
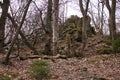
[40, 70]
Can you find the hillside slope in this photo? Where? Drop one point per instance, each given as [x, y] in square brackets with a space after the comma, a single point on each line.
[92, 66]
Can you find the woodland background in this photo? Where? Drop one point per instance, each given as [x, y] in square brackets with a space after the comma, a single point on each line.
[38, 41]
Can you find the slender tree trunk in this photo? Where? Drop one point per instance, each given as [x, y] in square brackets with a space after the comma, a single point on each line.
[55, 26]
[84, 35]
[47, 49]
[85, 23]
[17, 32]
[112, 23]
[102, 18]
[112, 26]
[22, 35]
[4, 6]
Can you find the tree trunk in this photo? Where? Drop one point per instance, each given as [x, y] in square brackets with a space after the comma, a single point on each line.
[47, 49]
[17, 32]
[112, 26]
[85, 24]
[102, 19]
[111, 21]
[22, 35]
[4, 6]
[55, 26]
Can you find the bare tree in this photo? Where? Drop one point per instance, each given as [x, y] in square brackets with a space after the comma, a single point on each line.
[97, 15]
[48, 42]
[4, 6]
[22, 35]
[17, 32]
[111, 21]
[86, 20]
[55, 25]
[100, 20]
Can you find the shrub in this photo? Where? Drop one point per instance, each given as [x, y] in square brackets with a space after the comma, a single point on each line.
[116, 45]
[105, 50]
[40, 70]
[4, 77]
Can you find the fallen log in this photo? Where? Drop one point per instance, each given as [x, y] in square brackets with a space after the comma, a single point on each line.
[58, 56]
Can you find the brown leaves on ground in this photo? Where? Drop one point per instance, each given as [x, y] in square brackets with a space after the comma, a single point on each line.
[99, 66]
[92, 67]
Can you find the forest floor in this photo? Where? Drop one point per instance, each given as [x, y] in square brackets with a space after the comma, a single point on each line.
[95, 67]
[99, 66]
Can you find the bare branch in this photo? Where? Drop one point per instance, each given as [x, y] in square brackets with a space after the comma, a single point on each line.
[1, 4]
[108, 5]
[81, 6]
[87, 4]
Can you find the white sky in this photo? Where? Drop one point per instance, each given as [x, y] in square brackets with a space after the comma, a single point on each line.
[73, 9]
